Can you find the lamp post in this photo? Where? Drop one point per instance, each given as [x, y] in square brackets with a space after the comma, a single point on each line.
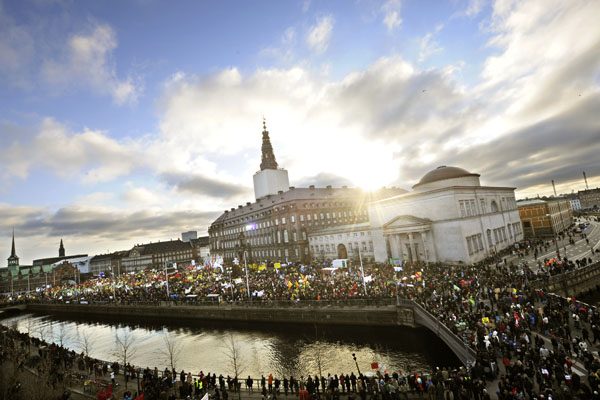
[362, 271]
[356, 363]
[242, 239]
[167, 276]
[555, 235]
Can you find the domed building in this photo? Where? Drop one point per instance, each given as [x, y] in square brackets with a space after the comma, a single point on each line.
[448, 217]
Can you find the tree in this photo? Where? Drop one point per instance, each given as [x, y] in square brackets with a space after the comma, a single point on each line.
[87, 344]
[62, 336]
[171, 350]
[233, 352]
[124, 348]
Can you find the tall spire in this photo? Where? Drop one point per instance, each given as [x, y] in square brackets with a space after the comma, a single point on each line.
[13, 253]
[268, 157]
[61, 249]
[13, 260]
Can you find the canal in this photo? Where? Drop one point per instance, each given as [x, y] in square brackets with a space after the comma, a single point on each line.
[296, 350]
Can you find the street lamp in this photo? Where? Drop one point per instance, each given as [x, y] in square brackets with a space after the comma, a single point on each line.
[167, 276]
[355, 362]
[242, 238]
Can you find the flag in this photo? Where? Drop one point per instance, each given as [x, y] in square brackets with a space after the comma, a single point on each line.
[374, 365]
[262, 267]
[140, 397]
[289, 285]
[368, 278]
[205, 396]
[485, 320]
[397, 269]
[277, 265]
[105, 395]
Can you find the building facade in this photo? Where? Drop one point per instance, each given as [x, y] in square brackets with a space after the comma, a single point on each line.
[156, 255]
[590, 199]
[448, 217]
[277, 225]
[344, 241]
[545, 217]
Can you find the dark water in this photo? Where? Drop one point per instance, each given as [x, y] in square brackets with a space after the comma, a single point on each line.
[282, 350]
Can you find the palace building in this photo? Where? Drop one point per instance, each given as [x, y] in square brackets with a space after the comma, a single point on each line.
[277, 225]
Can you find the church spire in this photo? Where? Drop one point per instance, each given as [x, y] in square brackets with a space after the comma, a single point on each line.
[13, 260]
[13, 253]
[61, 249]
[268, 157]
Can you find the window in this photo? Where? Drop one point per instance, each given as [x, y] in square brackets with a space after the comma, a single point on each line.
[296, 252]
[473, 207]
[479, 241]
[328, 216]
[276, 221]
[463, 212]
[293, 218]
[301, 218]
[278, 236]
[316, 216]
[469, 245]
[494, 206]
[306, 251]
[303, 235]
[489, 237]
[283, 220]
[322, 216]
[287, 253]
[364, 246]
[285, 236]
[371, 246]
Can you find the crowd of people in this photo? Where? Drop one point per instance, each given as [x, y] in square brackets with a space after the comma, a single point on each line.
[534, 344]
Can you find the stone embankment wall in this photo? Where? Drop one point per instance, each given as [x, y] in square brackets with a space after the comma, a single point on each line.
[361, 316]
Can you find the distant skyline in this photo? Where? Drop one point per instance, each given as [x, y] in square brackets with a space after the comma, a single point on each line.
[124, 122]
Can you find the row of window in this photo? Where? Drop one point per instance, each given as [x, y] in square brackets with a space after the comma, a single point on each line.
[475, 242]
[303, 217]
[333, 248]
[263, 254]
[468, 208]
[339, 236]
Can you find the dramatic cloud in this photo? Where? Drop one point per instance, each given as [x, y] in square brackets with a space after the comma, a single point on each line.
[319, 35]
[89, 156]
[202, 185]
[100, 227]
[88, 60]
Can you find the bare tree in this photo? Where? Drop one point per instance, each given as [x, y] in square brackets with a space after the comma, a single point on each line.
[87, 344]
[171, 350]
[62, 336]
[124, 348]
[233, 352]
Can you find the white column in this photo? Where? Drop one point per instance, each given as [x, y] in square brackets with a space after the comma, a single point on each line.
[412, 247]
[425, 246]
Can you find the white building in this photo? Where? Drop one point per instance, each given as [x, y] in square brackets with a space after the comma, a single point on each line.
[345, 241]
[447, 217]
[575, 203]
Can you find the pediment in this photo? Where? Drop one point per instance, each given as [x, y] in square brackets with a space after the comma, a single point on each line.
[406, 221]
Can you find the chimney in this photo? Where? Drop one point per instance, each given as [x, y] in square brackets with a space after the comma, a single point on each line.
[280, 192]
[311, 187]
[292, 188]
[247, 203]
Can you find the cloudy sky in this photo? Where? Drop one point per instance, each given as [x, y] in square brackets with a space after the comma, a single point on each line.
[129, 121]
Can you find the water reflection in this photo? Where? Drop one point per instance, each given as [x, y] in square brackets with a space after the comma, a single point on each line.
[296, 350]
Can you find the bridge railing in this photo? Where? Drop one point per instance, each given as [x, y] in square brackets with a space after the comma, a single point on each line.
[429, 321]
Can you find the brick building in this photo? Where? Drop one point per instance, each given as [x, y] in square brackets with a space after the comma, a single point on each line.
[545, 217]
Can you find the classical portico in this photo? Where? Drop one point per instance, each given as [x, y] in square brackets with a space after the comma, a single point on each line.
[410, 238]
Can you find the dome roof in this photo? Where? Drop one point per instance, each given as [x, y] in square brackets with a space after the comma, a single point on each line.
[443, 173]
